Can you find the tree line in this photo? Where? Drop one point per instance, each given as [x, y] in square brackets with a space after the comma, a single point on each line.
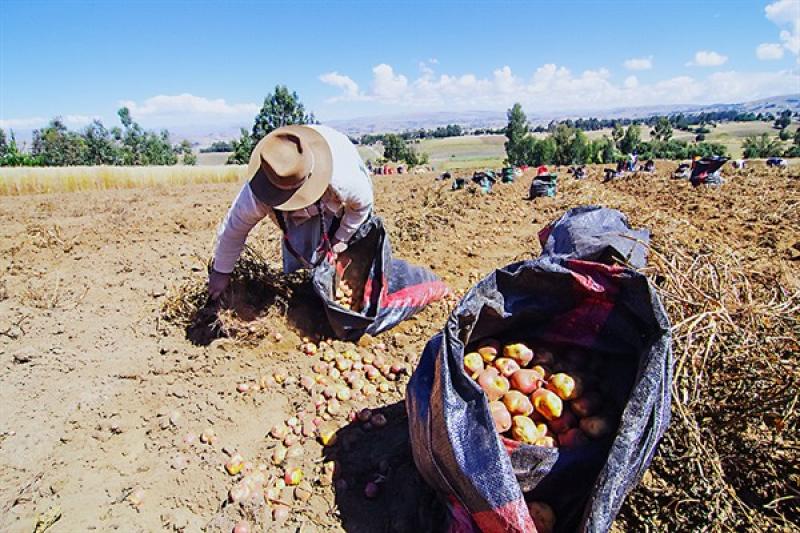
[55, 145]
[765, 145]
[696, 122]
[451, 130]
[569, 145]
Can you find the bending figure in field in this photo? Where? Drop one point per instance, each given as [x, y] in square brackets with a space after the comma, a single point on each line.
[312, 183]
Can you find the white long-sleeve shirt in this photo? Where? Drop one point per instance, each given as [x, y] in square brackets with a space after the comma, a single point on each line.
[349, 195]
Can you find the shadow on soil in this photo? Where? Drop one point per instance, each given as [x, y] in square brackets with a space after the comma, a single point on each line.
[363, 454]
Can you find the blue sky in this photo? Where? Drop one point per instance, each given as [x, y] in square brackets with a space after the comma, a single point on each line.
[178, 63]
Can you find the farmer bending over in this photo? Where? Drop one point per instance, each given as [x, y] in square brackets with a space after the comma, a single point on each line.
[311, 181]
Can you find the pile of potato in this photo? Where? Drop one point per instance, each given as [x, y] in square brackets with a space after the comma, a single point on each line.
[539, 398]
[344, 296]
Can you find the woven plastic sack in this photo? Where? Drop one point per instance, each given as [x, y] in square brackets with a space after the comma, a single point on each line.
[389, 289]
[563, 298]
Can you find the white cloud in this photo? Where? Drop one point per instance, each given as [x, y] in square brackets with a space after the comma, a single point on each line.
[73, 121]
[187, 104]
[78, 120]
[639, 63]
[769, 51]
[554, 87]
[786, 14]
[707, 58]
[348, 86]
[386, 84]
[23, 123]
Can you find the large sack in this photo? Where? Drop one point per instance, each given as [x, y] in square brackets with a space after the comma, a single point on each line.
[562, 300]
[389, 289]
[597, 234]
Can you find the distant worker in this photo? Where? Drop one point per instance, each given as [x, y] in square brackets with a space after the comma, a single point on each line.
[632, 160]
[312, 183]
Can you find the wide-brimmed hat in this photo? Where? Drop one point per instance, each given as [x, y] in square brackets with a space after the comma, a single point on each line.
[290, 168]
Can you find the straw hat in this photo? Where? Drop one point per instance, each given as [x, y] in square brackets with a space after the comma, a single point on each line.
[290, 168]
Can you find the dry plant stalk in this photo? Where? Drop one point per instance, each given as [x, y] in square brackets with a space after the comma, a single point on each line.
[241, 313]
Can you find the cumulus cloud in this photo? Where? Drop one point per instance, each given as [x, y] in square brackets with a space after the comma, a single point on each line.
[555, 87]
[345, 83]
[639, 63]
[188, 105]
[387, 84]
[707, 58]
[769, 51]
[786, 15]
[631, 82]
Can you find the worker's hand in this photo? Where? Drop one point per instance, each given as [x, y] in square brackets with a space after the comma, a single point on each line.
[217, 283]
[339, 247]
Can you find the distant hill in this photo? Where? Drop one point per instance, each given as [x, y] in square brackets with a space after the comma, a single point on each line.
[497, 119]
[203, 135]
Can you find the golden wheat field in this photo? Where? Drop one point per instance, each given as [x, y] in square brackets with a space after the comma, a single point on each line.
[37, 180]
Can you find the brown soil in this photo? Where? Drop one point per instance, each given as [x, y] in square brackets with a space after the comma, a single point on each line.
[99, 388]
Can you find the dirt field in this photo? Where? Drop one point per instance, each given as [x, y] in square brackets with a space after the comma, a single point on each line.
[103, 399]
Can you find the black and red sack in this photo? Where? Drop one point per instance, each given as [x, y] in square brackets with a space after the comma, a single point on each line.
[581, 293]
[388, 290]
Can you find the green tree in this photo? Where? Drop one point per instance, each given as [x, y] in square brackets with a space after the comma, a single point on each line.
[579, 148]
[14, 158]
[414, 158]
[516, 132]
[3, 143]
[631, 140]
[394, 147]
[56, 146]
[794, 149]
[101, 148]
[761, 146]
[562, 138]
[609, 152]
[281, 108]
[124, 115]
[218, 146]
[242, 148]
[706, 150]
[617, 133]
[784, 134]
[140, 147]
[540, 152]
[662, 131]
[784, 119]
[189, 157]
